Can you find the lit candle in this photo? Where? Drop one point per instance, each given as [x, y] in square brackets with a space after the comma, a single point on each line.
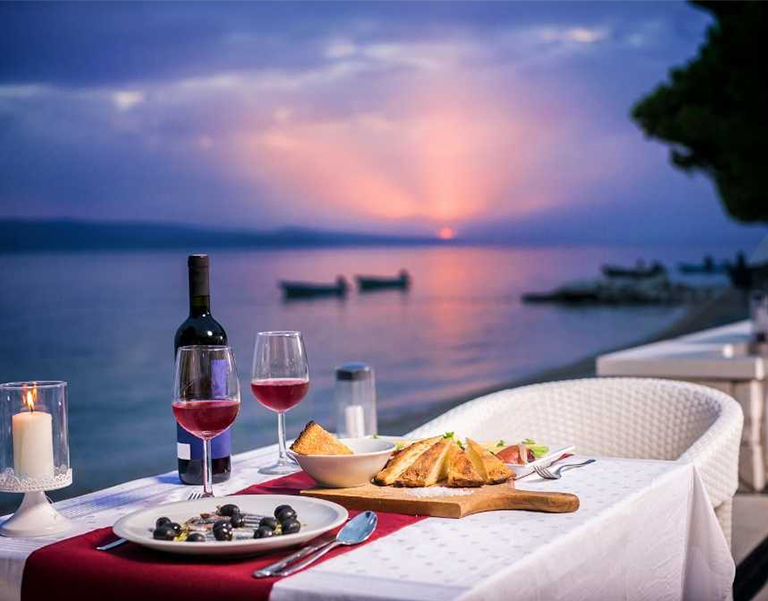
[32, 441]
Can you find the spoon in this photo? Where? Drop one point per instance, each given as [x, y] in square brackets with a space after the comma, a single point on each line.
[354, 532]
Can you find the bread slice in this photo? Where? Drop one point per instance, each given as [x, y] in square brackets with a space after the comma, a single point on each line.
[428, 469]
[490, 468]
[314, 440]
[459, 469]
[403, 459]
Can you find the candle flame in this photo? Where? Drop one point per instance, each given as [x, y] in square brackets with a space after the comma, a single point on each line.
[29, 399]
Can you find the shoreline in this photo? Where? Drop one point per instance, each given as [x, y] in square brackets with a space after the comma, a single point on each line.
[732, 305]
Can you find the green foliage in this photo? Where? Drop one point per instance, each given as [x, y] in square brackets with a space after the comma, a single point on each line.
[713, 111]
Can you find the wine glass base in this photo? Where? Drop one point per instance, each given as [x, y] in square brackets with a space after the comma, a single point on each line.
[280, 468]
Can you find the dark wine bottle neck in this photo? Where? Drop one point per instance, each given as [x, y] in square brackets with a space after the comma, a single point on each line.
[199, 290]
[199, 306]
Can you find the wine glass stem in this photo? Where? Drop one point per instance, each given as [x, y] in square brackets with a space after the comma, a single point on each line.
[282, 455]
[207, 469]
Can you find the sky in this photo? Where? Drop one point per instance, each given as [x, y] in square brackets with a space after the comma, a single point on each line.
[505, 121]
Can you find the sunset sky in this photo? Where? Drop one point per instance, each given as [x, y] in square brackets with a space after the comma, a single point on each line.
[505, 121]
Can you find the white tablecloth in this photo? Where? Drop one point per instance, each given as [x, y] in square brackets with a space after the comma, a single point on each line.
[645, 530]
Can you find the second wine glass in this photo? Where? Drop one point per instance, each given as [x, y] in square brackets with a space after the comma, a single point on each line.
[280, 380]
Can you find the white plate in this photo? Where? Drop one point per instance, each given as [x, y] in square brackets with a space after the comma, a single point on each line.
[316, 517]
[522, 470]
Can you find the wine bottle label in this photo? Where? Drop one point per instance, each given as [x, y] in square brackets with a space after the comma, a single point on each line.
[183, 451]
[192, 446]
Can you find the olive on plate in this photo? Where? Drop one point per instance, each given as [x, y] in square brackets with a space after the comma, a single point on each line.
[176, 527]
[291, 526]
[284, 513]
[165, 532]
[196, 537]
[229, 510]
[237, 520]
[263, 532]
[222, 530]
[162, 522]
[268, 522]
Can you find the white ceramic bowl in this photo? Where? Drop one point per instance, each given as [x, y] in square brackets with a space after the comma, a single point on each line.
[343, 471]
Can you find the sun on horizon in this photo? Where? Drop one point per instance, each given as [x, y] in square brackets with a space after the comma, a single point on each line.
[446, 233]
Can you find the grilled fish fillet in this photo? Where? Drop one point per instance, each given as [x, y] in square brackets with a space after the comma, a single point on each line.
[402, 460]
[314, 440]
[459, 469]
[428, 469]
[490, 468]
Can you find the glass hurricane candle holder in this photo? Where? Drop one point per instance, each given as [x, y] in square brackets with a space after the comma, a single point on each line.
[34, 454]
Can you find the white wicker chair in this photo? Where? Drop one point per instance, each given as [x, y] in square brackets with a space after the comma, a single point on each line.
[617, 417]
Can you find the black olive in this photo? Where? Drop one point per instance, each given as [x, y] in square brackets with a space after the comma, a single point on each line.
[164, 533]
[270, 523]
[229, 510]
[263, 532]
[175, 527]
[291, 526]
[286, 514]
[281, 508]
[237, 520]
[162, 522]
[222, 530]
[196, 537]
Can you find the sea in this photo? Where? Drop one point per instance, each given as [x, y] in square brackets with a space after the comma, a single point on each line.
[105, 322]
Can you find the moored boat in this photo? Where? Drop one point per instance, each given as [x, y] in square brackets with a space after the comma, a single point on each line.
[640, 271]
[314, 289]
[368, 283]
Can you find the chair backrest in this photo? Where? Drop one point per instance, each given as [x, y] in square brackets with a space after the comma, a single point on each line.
[637, 418]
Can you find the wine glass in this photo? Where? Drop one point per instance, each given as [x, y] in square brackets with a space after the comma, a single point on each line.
[279, 381]
[206, 396]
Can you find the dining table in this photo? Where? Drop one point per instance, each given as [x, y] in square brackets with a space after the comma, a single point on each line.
[645, 530]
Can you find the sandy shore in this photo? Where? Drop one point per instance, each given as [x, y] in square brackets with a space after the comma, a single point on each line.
[731, 305]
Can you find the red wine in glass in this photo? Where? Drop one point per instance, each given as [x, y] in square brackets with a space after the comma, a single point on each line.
[279, 381]
[206, 419]
[279, 394]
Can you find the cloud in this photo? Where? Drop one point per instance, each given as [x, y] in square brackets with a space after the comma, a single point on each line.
[125, 100]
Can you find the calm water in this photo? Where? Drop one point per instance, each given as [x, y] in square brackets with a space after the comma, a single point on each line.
[105, 323]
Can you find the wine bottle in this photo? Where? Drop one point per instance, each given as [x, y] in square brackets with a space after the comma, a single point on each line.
[200, 328]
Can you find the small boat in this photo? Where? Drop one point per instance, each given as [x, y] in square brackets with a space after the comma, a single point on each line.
[367, 283]
[639, 272]
[314, 290]
[708, 266]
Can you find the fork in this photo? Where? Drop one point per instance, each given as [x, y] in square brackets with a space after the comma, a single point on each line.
[194, 496]
[547, 474]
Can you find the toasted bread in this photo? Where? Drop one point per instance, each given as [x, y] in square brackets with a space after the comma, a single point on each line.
[428, 469]
[487, 465]
[459, 469]
[403, 459]
[314, 440]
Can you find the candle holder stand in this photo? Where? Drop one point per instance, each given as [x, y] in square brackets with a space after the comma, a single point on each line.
[34, 454]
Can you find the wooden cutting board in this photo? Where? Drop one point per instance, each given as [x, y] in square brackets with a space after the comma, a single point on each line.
[485, 498]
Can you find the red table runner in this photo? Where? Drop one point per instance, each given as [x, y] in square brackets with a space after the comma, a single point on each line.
[75, 569]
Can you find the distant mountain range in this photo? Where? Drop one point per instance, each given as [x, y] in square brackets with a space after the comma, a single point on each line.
[32, 235]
